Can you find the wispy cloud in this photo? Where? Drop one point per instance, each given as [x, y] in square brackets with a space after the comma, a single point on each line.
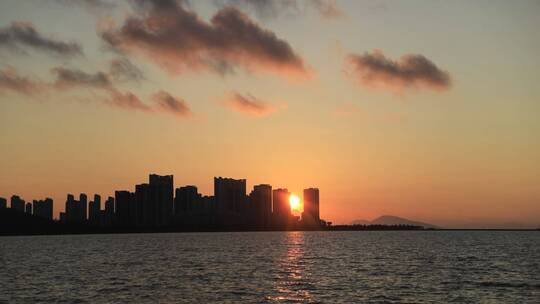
[248, 104]
[167, 103]
[69, 78]
[410, 71]
[21, 35]
[271, 9]
[10, 80]
[122, 69]
[163, 102]
[178, 40]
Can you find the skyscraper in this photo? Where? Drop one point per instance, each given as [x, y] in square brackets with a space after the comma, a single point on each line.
[83, 205]
[261, 205]
[3, 202]
[43, 208]
[281, 207]
[71, 209]
[94, 213]
[28, 208]
[122, 199]
[186, 199]
[146, 211]
[161, 195]
[17, 203]
[109, 211]
[230, 194]
[310, 216]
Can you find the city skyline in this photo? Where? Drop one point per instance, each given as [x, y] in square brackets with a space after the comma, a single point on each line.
[159, 204]
[392, 108]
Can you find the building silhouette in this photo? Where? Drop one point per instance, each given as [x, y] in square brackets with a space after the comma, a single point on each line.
[3, 202]
[231, 201]
[281, 208]
[157, 205]
[17, 203]
[260, 203]
[310, 216]
[94, 210]
[28, 208]
[161, 192]
[43, 208]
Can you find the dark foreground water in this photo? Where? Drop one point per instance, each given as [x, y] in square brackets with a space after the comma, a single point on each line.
[327, 267]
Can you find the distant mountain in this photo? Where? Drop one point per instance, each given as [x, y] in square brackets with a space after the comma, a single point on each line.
[392, 220]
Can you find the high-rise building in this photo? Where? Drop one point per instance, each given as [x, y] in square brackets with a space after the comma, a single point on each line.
[43, 208]
[28, 208]
[71, 209]
[261, 205]
[108, 214]
[17, 203]
[161, 195]
[186, 199]
[94, 213]
[122, 199]
[83, 205]
[230, 194]
[145, 209]
[311, 216]
[3, 202]
[281, 208]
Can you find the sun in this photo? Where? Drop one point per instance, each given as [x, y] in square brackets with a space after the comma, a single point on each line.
[294, 200]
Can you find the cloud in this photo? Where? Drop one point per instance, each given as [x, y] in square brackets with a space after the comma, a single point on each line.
[248, 104]
[272, 9]
[167, 103]
[162, 101]
[123, 70]
[23, 34]
[177, 40]
[69, 78]
[409, 71]
[10, 80]
[88, 3]
[126, 101]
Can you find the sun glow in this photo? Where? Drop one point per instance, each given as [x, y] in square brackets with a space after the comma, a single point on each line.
[294, 200]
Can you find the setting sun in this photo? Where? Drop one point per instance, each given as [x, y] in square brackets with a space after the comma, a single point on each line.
[294, 200]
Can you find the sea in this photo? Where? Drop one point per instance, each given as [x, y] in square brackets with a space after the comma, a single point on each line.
[273, 267]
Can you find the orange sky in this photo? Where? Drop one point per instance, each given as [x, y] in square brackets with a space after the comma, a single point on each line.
[424, 110]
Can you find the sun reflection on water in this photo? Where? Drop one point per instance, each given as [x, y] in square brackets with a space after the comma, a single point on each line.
[292, 282]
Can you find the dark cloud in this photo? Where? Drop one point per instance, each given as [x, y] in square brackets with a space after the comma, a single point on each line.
[162, 101]
[10, 80]
[415, 71]
[248, 104]
[177, 39]
[122, 69]
[272, 9]
[20, 35]
[167, 103]
[88, 3]
[69, 78]
[126, 101]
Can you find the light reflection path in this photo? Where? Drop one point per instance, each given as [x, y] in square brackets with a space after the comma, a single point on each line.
[292, 280]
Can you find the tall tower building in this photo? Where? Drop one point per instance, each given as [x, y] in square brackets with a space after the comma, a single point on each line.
[230, 194]
[3, 202]
[122, 199]
[310, 215]
[17, 203]
[281, 208]
[161, 195]
[83, 205]
[186, 199]
[261, 205]
[95, 209]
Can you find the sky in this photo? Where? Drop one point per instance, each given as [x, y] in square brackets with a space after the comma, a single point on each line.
[421, 109]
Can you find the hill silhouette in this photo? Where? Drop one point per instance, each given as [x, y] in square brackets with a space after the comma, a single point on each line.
[393, 220]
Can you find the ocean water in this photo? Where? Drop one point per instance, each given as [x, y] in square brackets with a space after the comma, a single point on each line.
[268, 267]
